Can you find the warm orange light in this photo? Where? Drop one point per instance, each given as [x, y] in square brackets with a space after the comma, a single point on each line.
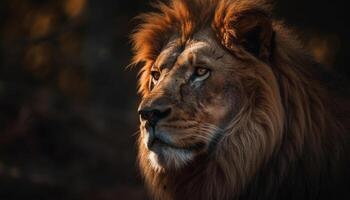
[41, 25]
[74, 8]
[38, 60]
[324, 48]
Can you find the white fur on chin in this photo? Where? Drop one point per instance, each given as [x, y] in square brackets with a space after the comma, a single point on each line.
[169, 158]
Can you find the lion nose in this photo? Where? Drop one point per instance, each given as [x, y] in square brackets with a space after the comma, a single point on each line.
[153, 115]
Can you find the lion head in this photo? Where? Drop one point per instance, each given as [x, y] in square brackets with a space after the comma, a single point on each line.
[211, 96]
[196, 88]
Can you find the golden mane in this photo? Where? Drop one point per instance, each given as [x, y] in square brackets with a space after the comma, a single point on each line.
[296, 121]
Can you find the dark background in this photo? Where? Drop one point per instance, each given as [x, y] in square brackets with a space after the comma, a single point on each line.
[68, 120]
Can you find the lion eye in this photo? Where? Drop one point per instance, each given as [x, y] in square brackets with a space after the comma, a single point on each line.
[155, 75]
[200, 71]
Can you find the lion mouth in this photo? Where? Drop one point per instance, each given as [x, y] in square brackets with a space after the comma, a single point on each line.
[157, 141]
[165, 153]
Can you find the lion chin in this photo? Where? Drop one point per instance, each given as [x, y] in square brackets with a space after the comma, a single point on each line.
[164, 158]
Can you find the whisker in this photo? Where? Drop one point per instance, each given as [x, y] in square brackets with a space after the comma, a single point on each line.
[135, 133]
[208, 131]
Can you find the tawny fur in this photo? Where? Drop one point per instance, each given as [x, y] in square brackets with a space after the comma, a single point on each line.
[290, 137]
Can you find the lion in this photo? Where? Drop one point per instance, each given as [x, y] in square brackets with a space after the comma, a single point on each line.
[234, 108]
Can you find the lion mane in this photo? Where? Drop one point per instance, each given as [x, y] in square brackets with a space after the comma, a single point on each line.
[291, 137]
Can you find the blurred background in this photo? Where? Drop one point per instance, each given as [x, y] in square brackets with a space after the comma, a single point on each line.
[68, 120]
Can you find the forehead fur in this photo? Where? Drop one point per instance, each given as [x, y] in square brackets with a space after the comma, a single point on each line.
[182, 19]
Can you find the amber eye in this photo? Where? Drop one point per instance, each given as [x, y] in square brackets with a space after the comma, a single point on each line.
[155, 75]
[200, 71]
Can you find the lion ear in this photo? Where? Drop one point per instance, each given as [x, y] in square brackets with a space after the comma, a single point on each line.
[251, 30]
